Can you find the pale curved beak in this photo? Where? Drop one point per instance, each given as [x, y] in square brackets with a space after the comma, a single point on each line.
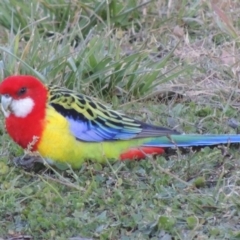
[6, 101]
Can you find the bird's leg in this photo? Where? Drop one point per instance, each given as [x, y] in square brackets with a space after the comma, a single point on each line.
[27, 161]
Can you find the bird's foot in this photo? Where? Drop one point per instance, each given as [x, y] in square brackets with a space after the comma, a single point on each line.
[27, 161]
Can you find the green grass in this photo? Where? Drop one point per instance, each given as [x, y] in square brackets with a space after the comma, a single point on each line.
[174, 65]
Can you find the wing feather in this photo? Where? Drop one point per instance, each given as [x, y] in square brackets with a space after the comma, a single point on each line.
[93, 122]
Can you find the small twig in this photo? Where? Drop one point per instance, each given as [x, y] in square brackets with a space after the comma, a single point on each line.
[66, 183]
[173, 176]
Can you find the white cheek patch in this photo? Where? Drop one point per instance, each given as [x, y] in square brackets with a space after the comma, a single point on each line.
[22, 107]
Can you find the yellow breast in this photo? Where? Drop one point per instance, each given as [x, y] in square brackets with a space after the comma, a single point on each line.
[58, 144]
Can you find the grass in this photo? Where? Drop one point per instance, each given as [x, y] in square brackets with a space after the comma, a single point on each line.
[172, 64]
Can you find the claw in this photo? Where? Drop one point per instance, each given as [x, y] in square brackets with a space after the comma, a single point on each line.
[26, 161]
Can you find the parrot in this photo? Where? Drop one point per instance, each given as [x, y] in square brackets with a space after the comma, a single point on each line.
[65, 127]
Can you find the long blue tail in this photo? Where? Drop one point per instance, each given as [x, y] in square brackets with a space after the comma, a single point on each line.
[192, 140]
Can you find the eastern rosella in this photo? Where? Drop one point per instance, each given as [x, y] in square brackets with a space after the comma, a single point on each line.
[65, 127]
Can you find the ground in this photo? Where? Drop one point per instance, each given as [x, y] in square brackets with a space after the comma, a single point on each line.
[169, 63]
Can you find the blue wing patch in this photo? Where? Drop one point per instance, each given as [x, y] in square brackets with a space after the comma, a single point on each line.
[89, 132]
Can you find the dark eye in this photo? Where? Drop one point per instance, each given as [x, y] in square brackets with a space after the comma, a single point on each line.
[22, 91]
